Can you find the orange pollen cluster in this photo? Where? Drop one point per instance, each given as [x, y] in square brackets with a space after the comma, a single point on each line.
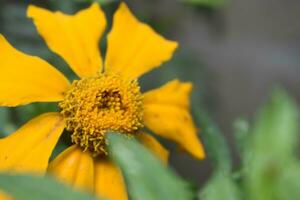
[94, 106]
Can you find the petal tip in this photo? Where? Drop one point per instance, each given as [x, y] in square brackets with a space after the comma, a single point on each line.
[199, 152]
[175, 45]
[123, 5]
[201, 155]
[95, 5]
[30, 10]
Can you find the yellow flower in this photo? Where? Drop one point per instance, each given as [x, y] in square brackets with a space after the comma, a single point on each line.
[106, 98]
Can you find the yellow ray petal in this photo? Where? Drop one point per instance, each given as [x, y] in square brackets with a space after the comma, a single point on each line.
[133, 47]
[74, 167]
[167, 114]
[151, 143]
[4, 196]
[26, 79]
[73, 37]
[30, 147]
[109, 182]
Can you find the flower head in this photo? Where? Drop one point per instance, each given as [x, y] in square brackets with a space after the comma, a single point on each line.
[94, 106]
[107, 97]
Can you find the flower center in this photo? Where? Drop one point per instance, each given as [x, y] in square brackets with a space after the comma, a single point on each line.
[94, 106]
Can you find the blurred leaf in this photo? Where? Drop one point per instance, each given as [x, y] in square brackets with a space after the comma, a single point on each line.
[277, 127]
[27, 112]
[25, 187]
[241, 134]
[215, 144]
[146, 177]
[6, 126]
[271, 146]
[289, 186]
[220, 187]
[3, 116]
[209, 3]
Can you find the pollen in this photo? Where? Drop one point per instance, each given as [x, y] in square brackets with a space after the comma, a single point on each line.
[94, 106]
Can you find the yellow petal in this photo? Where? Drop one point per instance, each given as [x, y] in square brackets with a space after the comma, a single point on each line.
[4, 196]
[109, 182]
[133, 47]
[73, 37]
[74, 167]
[151, 143]
[30, 147]
[26, 79]
[166, 112]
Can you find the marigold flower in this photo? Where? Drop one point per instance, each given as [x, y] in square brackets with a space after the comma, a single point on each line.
[106, 98]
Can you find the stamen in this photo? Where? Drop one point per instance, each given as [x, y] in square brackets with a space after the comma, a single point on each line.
[94, 106]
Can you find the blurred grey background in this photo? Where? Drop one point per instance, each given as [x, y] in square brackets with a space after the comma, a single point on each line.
[234, 54]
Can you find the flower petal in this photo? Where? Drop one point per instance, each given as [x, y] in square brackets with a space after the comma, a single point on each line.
[154, 146]
[109, 182]
[74, 167]
[133, 47]
[26, 79]
[30, 147]
[4, 196]
[73, 37]
[166, 112]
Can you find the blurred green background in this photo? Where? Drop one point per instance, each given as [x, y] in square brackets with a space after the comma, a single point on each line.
[233, 52]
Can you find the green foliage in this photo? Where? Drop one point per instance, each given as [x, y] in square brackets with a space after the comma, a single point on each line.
[146, 177]
[215, 144]
[241, 133]
[25, 187]
[271, 151]
[220, 187]
[6, 126]
[270, 170]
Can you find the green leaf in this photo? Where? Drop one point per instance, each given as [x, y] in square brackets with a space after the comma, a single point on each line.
[277, 127]
[271, 146]
[289, 185]
[242, 134]
[26, 187]
[6, 126]
[220, 187]
[215, 144]
[146, 177]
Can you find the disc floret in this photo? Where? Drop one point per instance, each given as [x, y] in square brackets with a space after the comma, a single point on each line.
[94, 106]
